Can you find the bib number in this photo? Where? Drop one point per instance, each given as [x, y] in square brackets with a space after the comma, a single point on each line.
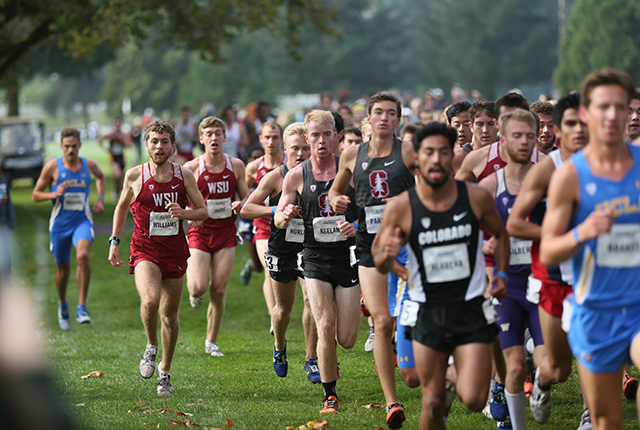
[620, 247]
[325, 229]
[161, 224]
[533, 289]
[446, 263]
[74, 201]
[219, 208]
[409, 316]
[295, 231]
[520, 251]
[373, 218]
[271, 261]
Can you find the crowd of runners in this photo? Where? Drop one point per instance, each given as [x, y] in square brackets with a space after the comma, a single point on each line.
[489, 245]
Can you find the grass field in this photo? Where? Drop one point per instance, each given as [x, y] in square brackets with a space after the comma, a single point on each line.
[240, 387]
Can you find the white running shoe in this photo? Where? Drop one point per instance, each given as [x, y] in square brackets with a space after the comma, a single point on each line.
[540, 401]
[164, 382]
[585, 421]
[196, 302]
[368, 345]
[63, 316]
[213, 350]
[148, 362]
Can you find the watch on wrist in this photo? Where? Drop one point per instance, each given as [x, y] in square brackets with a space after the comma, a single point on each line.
[113, 240]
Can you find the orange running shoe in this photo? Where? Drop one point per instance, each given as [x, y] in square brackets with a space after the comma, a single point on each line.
[630, 387]
[363, 308]
[395, 415]
[330, 405]
[528, 385]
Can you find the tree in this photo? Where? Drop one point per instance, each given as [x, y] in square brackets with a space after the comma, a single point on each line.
[600, 33]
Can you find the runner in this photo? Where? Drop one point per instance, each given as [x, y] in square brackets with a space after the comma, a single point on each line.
[440, 219]
[546, 135]
[282, 256]
[271, 140]
[185, 135]
[517, 311]
[69, 180]
[483, 127]
[157, 194]
[332, 281]
[352, 137]
[212, 242]
[459, 118]
[117, 142]
[381, 169]
[632, 132]
[593, 219]
[555, 280]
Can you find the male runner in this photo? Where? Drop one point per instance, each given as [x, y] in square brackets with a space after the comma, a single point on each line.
[330, 276]
[212, 242]
[117, 142]
[157, 194]
[546, 135]
[282, 256]
[352, 137]
[69, 180]
[459, 118]
[185, 128]
[440, 221]
[517, 311]
[632, 131]
[554, 281]
[592, 217]
[271, 140]
[483, 127]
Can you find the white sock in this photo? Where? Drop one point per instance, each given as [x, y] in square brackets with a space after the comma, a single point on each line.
[530, 345]
[208, 344]
[492, 386]
[517, 404]
[152, 346]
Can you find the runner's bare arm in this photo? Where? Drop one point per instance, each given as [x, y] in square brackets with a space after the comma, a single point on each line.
[338, 201]
[199, 211]
[192, 165]
[465, 173]
[242, 190]
[393, 232]
[101, 185]
[557, 244]
[253, 208]
[251, 173]
[287, 206]
[409, 156]
[122, 208]
[534, 188]
[44, 180]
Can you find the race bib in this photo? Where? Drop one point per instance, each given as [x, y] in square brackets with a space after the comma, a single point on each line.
[116, 149]
[325, 229]
[446, 263]
[373, 218]
[219, 208]
[620, 247]
[161, 224]
[271, 261]
[520, 251]
[533, 290]
[409, 316]
[295, 231]
[74, 201]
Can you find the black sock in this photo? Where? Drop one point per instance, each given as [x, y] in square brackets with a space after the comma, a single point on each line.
[329, 389]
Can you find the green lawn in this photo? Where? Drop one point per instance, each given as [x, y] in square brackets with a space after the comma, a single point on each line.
[241, 386]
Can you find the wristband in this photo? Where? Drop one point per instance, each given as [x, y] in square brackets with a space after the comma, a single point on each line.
[575, 236]
[502, 275]
[355, 224]
[101, 197]
[273, 210]
[113, 240]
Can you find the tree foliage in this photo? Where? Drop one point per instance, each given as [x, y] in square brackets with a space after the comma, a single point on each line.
[600, 33]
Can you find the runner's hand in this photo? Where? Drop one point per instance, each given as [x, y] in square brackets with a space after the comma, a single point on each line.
[488, 247]
[340, 203]
[175, 210]
[289, 212]
[114, 256]
[499, 287]
[236, 206]
[98, 207]
[347, 228]
[596, 224]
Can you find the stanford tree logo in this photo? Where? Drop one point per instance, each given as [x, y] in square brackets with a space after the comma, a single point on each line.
[325, 207]
[379, 185]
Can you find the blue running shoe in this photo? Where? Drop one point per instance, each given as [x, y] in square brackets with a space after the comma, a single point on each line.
[245, 273]
[313, 373]
[499, 408]
[82, 315]
[63, 316]
[280, 364]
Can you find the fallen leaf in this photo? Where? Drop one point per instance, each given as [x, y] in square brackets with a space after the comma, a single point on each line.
[289, 428]
[150, 424]
[318, 424]
[148, 411]
[229, 422]
[95, 373]
[164, 409]
[186, 414]
[158, 426]
[129, 411]
[80, 404]
[200, 400]
[191, 404]
[302, 428]
[373, 405]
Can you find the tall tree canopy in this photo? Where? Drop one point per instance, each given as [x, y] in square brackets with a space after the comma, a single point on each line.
[600, 33]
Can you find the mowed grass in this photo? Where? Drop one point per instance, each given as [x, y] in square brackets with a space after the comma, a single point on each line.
[240, 387]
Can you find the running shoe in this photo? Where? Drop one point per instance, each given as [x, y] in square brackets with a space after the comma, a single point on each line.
[449, 396]
[63, 316]
[585, 421]
[630, 387]
[505, 425]
[195, 302]
[330, 405]
[245, 273]
[213, 350]
[498, 406]
[528, 355]
[148, 362]
[395, 415]
[280, 364]
[313, 373]
[368, 345]
[82, 315]
[528, 385]
[164, 382]
[540, 401]
[363, 309]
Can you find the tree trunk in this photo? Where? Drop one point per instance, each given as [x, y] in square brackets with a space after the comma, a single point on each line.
[12, 89]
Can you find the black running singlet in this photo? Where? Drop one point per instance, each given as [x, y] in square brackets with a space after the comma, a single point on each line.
[285, 243]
